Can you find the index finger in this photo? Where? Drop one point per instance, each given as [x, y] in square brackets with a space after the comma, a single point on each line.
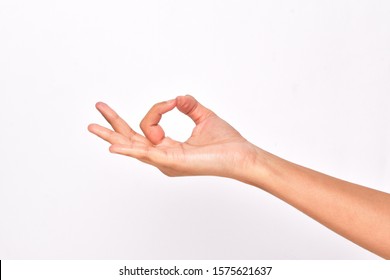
[149, 125]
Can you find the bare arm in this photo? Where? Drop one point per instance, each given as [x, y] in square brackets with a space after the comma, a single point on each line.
[360, 214]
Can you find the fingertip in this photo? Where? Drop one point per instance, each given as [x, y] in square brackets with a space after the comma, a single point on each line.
[179, 100]
[171, 101]
[186, 97]
[170, 104]
[113, 149]
[91, 127]
[117, 148]
[181, 97]
[99, 104]
[186, 103]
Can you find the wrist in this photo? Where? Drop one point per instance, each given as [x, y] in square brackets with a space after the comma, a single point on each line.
[255, 168]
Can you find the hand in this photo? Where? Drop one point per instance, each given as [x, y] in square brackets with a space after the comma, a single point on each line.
[214, 148]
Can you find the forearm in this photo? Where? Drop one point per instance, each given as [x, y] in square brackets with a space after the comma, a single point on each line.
[360, 214]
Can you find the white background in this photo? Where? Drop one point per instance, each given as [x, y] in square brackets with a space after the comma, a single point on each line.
[306, 80]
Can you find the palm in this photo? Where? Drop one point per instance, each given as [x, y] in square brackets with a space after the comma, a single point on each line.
[212, 144]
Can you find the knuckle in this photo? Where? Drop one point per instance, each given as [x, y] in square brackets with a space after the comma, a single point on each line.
[157, 105]
[143, 124]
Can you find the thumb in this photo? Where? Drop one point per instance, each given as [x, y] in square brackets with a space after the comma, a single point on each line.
[189, 106]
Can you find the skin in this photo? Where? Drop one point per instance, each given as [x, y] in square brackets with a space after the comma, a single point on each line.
[358, 213]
